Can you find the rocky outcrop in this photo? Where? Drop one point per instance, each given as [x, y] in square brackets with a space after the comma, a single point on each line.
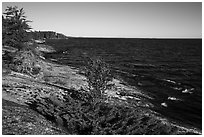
[21, 120]
[45, 48]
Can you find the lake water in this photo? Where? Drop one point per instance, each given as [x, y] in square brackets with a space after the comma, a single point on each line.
[168, 70]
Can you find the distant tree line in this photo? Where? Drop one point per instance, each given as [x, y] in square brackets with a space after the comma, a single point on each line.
[46, 35]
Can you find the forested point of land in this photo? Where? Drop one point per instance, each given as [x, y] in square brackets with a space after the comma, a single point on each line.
[46, 35]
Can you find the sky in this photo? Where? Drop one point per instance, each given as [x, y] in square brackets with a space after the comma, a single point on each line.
[116, 19]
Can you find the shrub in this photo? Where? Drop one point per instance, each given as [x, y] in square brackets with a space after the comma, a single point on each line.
[98, 75]
[77, 115]
[25, 61]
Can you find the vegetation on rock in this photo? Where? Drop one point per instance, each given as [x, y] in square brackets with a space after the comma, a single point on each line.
[98, 75]
[25, 62]
[21, 120]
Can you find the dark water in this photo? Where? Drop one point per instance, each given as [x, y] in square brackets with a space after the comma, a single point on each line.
[168, 70]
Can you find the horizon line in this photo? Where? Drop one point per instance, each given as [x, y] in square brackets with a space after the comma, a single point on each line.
[135, 37]
[121, 37]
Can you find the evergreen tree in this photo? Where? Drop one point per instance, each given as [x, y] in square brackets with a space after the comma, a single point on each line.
[14, 27]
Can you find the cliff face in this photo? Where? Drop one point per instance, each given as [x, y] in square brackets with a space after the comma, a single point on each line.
[46, 35]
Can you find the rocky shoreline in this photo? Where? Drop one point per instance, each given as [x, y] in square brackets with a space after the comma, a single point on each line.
[54, 80]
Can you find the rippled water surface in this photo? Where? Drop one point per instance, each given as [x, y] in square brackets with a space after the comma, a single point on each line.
[168, 70]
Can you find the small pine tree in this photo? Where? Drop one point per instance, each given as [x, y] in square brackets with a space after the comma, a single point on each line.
[14, 27]
[98, 75]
